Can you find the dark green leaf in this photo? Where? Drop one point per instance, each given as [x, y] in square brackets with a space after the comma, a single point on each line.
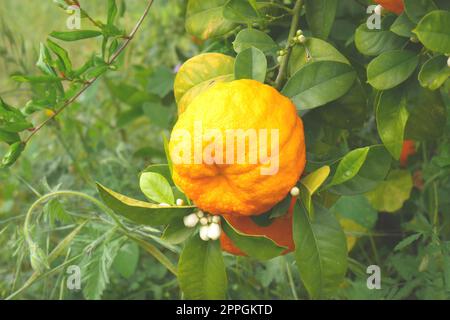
[320, 15]
[75, 35]
[434, 31]
[434, 72]
[250, 63]
[248, 38]
[201, 270]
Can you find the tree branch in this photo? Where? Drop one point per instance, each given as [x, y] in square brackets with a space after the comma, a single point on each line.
[91, 81]
[293, 29]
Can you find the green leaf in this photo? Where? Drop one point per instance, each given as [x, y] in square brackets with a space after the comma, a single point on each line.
[248, 38]
[348, 112]
[161, 81]
[13, 153]
[162, 169]
[250, 63]
[372, 172]
[240, 11]
[141, 212]
[9, 137]
[112, 11]
[280, 209]
[392, 116]
[176, 232]
[349, 166]
[434, 72]
[45, 60]
[320, 251]
[62, 55]
[390, 69]
[390, 195]
[313, 50]
[11, 119]
[434, 31]
[403, 26]
[318, 83]
[374, 42]
[256, 246]
[315, 179]
[127, 260]
[201, 270]
[320, 16]
[427, 113]
[356, 208]
[417, 9]
[156, 188]
[75, 35]
[407, 241]
[204, 19]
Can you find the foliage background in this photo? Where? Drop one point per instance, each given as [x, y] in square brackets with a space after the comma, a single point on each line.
[107, 137]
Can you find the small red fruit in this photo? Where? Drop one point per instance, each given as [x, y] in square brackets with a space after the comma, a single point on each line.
[408, 150]
[395, 6]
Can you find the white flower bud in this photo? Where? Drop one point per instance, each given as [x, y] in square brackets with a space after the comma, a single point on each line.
[190, 220]
[378, 10]
[295, 192]
[179, 202]
[163, 204]
[448, 61]
[279, 59]
[200, 214]
[216, 219]
[214, 231]
[204, 221]
[299, 32]
[302, 39]
[203, 233]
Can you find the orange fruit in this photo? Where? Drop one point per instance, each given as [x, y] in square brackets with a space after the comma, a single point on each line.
[408, 150]
[243, 176]
[280, 231]
[395, 6]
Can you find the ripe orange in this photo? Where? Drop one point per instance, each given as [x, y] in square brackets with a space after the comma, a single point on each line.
[280, 231]
[408, 150]
[233, 187]
[395, 6]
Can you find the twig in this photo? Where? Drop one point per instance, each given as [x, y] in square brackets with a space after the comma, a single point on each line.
[91, 81]
[293, 29]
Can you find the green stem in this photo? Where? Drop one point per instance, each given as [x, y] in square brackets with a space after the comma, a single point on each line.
[291, 280]
[293, 29]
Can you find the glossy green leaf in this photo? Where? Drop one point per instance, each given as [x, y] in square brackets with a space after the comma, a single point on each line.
[250, 63]
[313, 50]
[201, 270]
[434, 72]
[434, 31]
[372, 172]
[320, 15]
[315, 179]
[403, 26]
[320, 251]
[349, 166]
[156, 188]
[318, 83]
[392, 116]
[390, 195]
[162, 169]
[248, 38]
[391, 68]
[374, 42]
[112, 11]
[13, 153]
[141, 212]
[256, 246]
[75, 35]
[204, 19]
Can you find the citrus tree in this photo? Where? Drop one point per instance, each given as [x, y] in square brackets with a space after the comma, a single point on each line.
[354, 89]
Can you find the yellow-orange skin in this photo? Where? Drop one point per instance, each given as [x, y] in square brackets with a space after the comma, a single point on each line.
[395, 6]
[240, 189]
[280, 231]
